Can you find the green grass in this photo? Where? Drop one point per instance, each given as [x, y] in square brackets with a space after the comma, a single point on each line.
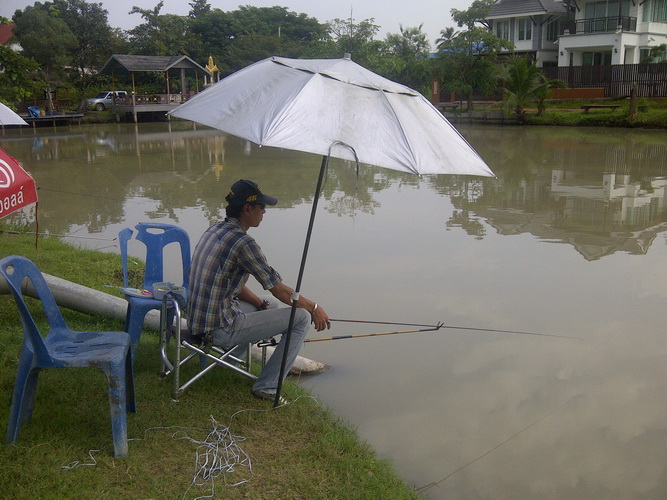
[298, 451]
[651, 113]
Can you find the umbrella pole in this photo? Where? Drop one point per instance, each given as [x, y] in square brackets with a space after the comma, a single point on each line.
[295, 295]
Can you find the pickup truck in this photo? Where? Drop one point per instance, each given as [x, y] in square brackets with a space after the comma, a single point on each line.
[106, 98]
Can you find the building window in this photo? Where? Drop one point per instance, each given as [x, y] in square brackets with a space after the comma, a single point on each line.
[525, 29]
[652, 56]
[552, 31]
[596, 59]
[503, 30]
[655, 11]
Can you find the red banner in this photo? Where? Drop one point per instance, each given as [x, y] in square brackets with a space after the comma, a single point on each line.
[17, 188]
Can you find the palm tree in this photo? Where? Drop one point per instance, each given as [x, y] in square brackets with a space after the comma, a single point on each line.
[524, 83]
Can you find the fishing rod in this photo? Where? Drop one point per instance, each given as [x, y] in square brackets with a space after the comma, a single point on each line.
[340, 337]
[273, 342]
[426, 328]
[442, 325]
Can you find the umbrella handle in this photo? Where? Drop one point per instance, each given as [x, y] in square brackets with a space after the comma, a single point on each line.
[295, 297]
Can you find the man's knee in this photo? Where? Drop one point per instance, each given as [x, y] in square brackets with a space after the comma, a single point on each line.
[302, 317]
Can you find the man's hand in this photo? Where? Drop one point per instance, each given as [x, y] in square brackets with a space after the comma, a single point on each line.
[320, 319]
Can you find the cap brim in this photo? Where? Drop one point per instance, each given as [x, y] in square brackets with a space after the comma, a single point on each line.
[267, 200]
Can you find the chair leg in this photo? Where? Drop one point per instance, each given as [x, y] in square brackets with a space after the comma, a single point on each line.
[130, 401]
[134, 323]
[23, 400]
[118, 408]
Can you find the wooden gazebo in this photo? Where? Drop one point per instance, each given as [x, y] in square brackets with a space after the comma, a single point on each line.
[122, 65]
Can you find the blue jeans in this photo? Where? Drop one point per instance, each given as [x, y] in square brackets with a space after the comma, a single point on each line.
[253, 325]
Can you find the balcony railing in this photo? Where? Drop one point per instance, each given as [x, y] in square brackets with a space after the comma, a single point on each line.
[600, 25]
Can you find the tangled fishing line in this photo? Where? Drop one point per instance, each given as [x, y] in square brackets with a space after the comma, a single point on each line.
[219, 453]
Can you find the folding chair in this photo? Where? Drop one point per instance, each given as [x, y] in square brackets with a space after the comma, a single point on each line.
[193, 346]
[156, 236]
[65, 348]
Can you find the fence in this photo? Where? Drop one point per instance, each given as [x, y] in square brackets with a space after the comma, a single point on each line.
[616, 79]
[600, 24]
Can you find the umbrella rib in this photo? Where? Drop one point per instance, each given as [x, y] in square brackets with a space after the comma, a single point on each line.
[404, 135]
[369, 86]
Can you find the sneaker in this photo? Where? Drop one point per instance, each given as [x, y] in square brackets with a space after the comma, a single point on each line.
[269, 396]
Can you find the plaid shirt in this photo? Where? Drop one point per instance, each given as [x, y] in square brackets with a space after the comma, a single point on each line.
[223, 259]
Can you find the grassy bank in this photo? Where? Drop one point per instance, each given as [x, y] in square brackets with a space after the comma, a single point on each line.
[297, 451]
[651, 113]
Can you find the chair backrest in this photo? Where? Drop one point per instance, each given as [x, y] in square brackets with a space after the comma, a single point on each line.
[15, 270]
[156, 236]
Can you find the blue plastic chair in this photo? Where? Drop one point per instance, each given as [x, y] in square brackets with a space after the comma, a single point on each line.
[65, 348]
[156, 236]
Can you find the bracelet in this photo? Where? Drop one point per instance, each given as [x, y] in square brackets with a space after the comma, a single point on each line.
[314, 308]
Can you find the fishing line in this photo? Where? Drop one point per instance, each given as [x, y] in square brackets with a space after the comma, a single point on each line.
[441, 325]
[61, 235]
[427, 487]
[86, 194]
[219, 453]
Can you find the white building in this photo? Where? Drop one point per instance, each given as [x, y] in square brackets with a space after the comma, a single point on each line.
[582, 32]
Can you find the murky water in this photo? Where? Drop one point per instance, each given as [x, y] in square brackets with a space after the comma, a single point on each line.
[569, 240]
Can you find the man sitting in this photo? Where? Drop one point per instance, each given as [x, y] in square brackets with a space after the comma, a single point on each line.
[220, 305]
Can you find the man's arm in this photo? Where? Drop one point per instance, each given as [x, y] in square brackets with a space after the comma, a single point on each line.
[284, 294]
[248, 295]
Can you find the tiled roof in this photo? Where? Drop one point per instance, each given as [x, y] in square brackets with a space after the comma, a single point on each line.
[514, 8]
[5, 33]
[130, 63]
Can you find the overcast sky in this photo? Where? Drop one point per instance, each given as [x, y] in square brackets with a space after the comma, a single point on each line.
[433, 14]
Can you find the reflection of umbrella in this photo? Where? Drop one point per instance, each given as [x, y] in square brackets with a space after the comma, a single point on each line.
[8, 117]
[334, 107]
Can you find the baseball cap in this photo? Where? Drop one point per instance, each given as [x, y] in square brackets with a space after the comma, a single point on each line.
[244, 191]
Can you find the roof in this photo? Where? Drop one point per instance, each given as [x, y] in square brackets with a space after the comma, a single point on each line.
[516, 8]
[130, 64]
[6, 33]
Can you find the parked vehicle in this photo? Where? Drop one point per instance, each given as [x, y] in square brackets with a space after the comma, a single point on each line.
[105, 99]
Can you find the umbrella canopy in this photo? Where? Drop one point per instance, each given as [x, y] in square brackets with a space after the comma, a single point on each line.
[310, 104]
[17, 188]
[9, 117]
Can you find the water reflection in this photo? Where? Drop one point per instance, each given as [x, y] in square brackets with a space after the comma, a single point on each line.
[565, 241]
[600, 193]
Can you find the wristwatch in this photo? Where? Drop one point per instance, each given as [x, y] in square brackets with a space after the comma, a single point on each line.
[265, 305]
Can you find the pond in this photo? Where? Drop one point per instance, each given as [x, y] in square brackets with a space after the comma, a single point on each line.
[568, 242]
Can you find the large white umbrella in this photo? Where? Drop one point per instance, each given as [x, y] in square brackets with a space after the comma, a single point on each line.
[9, 117]
[310, 104]
[333, 107]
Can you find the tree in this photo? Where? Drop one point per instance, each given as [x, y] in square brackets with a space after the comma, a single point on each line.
[244, 36]
[406, 59]
[524, 83]
[198, 8]
[160, 34]
[17, 81]
[358, 40]
[467, 59]
[47, 39]
[96, 40]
